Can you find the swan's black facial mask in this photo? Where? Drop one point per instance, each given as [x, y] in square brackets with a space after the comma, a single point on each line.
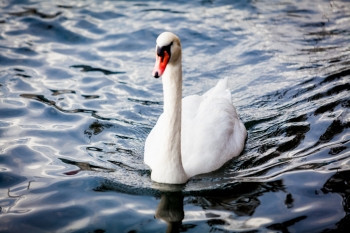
[160, 50]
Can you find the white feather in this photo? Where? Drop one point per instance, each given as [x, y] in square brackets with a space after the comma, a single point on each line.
[211, 130]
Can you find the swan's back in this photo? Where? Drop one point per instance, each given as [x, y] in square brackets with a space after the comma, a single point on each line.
[212, 132]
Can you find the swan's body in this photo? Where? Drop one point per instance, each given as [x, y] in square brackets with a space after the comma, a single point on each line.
[195, 135]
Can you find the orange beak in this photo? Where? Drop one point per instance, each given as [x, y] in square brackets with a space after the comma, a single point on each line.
[161, 63]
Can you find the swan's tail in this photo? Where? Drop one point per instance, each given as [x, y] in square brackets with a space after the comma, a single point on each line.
[222, 84]
[220, 89]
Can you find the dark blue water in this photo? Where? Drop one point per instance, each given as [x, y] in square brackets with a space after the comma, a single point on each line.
[77, 102]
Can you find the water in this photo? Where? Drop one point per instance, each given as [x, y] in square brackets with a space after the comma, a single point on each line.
[78, 101]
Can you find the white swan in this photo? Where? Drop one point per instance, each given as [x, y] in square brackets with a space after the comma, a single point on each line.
[193, 136]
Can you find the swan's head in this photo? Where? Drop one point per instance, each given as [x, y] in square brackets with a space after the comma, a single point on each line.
[168, 51]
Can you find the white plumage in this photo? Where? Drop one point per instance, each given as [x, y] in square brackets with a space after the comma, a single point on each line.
[197, 138]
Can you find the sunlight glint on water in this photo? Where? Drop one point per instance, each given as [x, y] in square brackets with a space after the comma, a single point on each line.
[77, 102]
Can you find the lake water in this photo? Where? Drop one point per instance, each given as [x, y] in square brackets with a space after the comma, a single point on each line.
[77, 101]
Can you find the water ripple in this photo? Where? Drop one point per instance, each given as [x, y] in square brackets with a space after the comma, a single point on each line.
[77, 101]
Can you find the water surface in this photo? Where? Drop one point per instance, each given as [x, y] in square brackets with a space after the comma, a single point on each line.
[77, 102]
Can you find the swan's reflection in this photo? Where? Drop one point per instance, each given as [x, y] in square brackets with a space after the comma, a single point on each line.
[241, 199]
[170, 210]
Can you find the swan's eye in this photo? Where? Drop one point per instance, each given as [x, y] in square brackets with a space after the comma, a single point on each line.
[160, 50]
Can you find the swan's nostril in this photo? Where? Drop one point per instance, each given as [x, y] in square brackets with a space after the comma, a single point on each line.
[156, 75]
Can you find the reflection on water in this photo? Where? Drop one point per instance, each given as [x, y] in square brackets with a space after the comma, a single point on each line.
[170, 210]
[245, 206]
[77, 101]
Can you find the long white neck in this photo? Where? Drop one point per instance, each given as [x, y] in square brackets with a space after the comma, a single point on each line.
[173, 171]
[172, 89]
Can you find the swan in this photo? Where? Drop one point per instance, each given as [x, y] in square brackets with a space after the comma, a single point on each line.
[193, 135]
